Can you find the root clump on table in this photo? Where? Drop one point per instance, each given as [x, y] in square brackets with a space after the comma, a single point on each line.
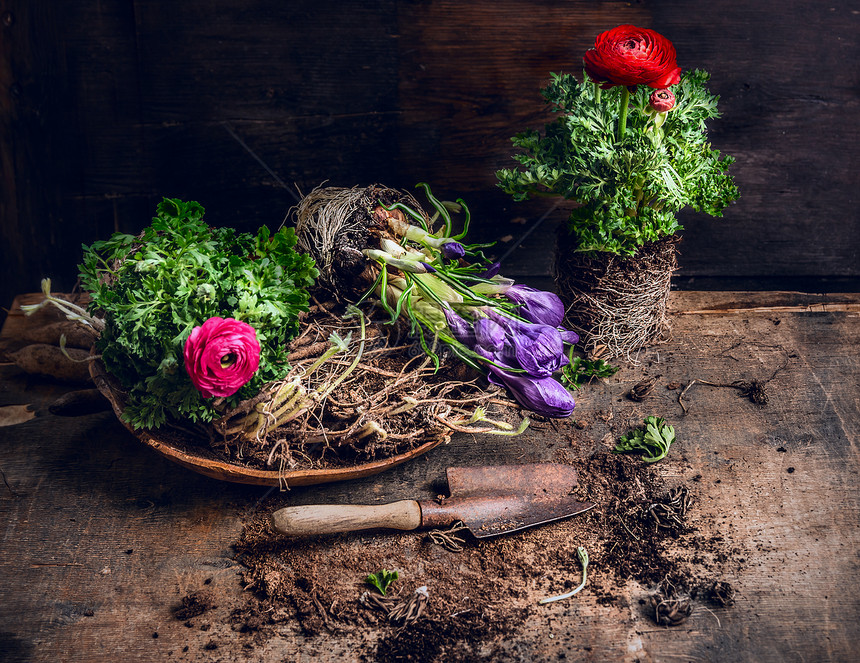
[378, 397]
[617, 304]
[335, 224]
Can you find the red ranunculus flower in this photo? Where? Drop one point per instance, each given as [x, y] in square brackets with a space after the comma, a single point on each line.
[630, 56]
[221, 356]
[662, 100]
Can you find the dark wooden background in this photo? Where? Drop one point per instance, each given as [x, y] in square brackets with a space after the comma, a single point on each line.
[106, 107]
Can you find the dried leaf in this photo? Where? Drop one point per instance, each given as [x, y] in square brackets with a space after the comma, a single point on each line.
[16, 414]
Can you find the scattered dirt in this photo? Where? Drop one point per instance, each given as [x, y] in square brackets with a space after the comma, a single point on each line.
[194, 605]
[642, 390]
[670, 610]
[643, 531]
[721, 593]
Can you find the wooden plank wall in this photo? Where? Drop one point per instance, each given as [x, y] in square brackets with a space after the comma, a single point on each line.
[105, 107]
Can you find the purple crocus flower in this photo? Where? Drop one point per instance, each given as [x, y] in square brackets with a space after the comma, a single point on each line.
[489, 335]
[537, 349]
[485, 335]
[453, 250]
[543, 396]
[460, 329]
[569, 337]
[538, 306]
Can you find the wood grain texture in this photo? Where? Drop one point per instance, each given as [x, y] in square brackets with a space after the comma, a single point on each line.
[313, 519]
[101, 538]
[789, 127]
[106, 107]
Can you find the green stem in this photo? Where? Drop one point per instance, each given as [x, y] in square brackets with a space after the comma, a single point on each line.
[71, 311]
[622, 116]
[350, 369]
[411, 212]
[446, 217]
[465, 221]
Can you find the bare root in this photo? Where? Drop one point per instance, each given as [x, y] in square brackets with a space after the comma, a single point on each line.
[373, 399]
[618, 305]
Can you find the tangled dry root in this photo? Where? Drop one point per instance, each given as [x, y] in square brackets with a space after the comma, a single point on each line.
[358, 389]
[617, 305]
[377, 397]
[334, 225]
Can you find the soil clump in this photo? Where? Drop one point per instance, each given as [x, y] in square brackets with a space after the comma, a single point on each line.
[642, 538]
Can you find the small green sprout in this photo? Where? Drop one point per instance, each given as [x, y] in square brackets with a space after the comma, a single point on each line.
[580, 371]
[382, 580]
[499, 427]
[583, 560]
[654, 438]
[342, 344]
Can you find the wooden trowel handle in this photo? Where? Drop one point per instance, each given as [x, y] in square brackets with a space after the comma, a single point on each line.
[332, 518]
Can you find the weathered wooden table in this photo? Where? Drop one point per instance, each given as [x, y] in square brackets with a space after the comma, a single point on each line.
[102, 537]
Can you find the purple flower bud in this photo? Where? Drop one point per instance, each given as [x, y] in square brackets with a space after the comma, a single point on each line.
[460, 329]
[537, 349]
[489, 335]
[430, 268]
[453, 250]
[569, 337]
[539, 306]
[543, 396]
[491, 271]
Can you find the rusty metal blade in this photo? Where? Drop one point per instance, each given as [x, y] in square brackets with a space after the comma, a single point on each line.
[519, 514]
[549, 478]
[499, 499]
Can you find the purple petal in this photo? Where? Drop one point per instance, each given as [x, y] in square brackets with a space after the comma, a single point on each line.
[543, 395]
[537, 305]
[491, 271]
[537, 349]
[569, 337]
[460, 329]
[489, 334]
[453, 250]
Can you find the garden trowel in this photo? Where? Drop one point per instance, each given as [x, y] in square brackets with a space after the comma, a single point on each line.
[489, 500]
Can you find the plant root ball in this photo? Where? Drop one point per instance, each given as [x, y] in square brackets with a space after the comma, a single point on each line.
[336, 224]
[616, 304]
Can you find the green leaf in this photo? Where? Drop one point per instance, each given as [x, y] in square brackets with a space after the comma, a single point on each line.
[382, 580]
[628, 190]
[653, 439]
[154, 288]
[580, 371]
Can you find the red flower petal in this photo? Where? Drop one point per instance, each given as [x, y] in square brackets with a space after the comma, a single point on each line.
[630, 56]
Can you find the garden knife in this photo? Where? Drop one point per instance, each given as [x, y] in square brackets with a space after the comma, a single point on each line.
[489, 500]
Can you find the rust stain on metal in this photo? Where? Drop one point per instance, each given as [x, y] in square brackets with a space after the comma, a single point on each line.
[498, 499]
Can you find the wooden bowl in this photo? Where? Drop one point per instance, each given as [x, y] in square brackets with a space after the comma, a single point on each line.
[203, 461]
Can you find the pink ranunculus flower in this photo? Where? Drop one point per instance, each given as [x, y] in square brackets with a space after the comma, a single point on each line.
[221, 356]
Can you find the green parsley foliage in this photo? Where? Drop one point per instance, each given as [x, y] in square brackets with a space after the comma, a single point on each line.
[154, 288]
[628, 190]
[382, 580]
[581, 371]
[653, 439]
